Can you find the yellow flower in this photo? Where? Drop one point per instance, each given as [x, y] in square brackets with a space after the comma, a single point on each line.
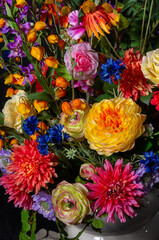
[37, 52]
[2, 23]
[20, 3]
[53, 38]
[40, 105]
[113, 125]
[51, 62]
[40, 25]
[12, 117]
[31, 35]
[23, 109]
[14, 78]
[150, 66]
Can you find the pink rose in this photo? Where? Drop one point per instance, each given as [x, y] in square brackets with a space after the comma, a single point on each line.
[86, 61]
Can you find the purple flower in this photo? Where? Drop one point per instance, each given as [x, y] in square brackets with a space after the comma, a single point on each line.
[85, 85]
[16, 47]
[42, 204]
[23, 12]
[23, 27]
[77, 29]
[2, 4]
[4, 159]
[27, 72]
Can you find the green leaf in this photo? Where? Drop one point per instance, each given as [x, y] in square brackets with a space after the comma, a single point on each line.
[146, 99]
[1, 118]
[103, 96]
[104, 44]
[80, 180]
[9, 14]
[13, 132]
[42, 96]
[62, 71]
[109, 87]
[98, 223]
[23, 236]
[6, 17]
[123, 23]
[148, 146]
[24, 220]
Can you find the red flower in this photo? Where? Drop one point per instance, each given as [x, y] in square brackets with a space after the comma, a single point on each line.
[133, 83]
[155, 100]
[28, 172]
[114, 190]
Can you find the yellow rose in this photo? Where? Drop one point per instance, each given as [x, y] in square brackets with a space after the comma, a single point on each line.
[12, 112]
[113, 125]
[150, 66]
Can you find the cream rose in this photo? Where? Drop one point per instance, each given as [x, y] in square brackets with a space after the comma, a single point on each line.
[12, 112]
[150, 66]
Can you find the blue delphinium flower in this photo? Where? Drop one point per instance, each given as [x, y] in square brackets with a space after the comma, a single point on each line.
[151, 162]
[111, 70]
[42, 204]
[43, 143]
[56, 135]
[30, 125]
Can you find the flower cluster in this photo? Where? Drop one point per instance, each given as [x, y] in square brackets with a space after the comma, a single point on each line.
[79, 130]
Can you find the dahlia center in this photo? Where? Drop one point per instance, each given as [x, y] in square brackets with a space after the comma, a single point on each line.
[29, 168]
[115, 189]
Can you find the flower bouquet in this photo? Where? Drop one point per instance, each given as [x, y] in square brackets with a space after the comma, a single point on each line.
[79, 131]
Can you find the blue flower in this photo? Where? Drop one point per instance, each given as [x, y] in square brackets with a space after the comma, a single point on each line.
[151, 162]
[30, 125]
[43, 144]
[111, 70]
[56, 135]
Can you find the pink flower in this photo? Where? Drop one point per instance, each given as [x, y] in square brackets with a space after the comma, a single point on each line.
[76, 30]
[114, 190]
[86, 61]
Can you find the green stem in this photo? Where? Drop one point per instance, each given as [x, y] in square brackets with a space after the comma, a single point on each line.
[111, 46]
[143, 21]
[147, 29]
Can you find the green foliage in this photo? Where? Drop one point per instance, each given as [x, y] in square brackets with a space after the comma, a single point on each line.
[146, 99]
[1, 118]
[97, 223]
[28, 225]
[62, 71]
[123, 23]
[43, 96]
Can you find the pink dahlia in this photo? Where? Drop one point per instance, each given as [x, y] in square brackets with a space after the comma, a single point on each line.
[133, 83]
[114, 190]
[28, 172]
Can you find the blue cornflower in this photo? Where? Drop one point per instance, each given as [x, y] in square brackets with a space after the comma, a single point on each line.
[30, 125]
[151, 162]
[111, 70]
[43, 143]
[56, 135]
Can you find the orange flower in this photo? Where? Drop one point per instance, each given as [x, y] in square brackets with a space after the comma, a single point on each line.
[32, 36]
[65, 11]
[40, 105]
[37, 52]
[23, 108]
[10, 92]
[62, 83]
[40, 25]
[1, 144]
[1, 40]
[14, 141]
[14, 78]
[49, 10]
[60, 93]
[61, 44]
[78, 104]
[20, 3]
[53, 38]
[2, 23]
[51, 62]
[67, 108]
[17, 59]
[97, 18]
[2, 133]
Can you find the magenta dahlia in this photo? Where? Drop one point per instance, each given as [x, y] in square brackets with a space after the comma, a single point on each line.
[28, 172]
[114, 191]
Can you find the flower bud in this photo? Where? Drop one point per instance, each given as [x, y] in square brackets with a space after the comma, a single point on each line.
[20, 3]
[2, 22]
[2, 133]
[32, 36]
[37, 52]
[78, 104]
[42, 126]
[40, 105]
[62, 83]
[60, 93]
[67, 108]
[51, 62]
[1, 40]
[86, 170]
[53, 38]
[17, 59]
[14, 141]
[61, 44]
[23, 109]
[1, 144]
[9, 79]
[40, 25]
[10, 92]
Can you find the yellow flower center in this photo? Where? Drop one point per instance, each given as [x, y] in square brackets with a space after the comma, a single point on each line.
[88, 7]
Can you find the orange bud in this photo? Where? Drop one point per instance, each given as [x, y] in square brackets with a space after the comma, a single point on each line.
[31, 35]
[61, 82]
[1, 144]
[2, 133]
[67, 108]
[37, 53]
[14, 141]
[42, 126]
[17, 59]
[53, 38]
[1, 33]
[1, 40]
[20, 3]
[18, 79]
[40, 25]
[51, 62]
[78, 104]
[60, 93]
[34, 137]
[61, 44]
[2, 22]
[15, 91]
[23, 108]
[40, 105]
[10, 92]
